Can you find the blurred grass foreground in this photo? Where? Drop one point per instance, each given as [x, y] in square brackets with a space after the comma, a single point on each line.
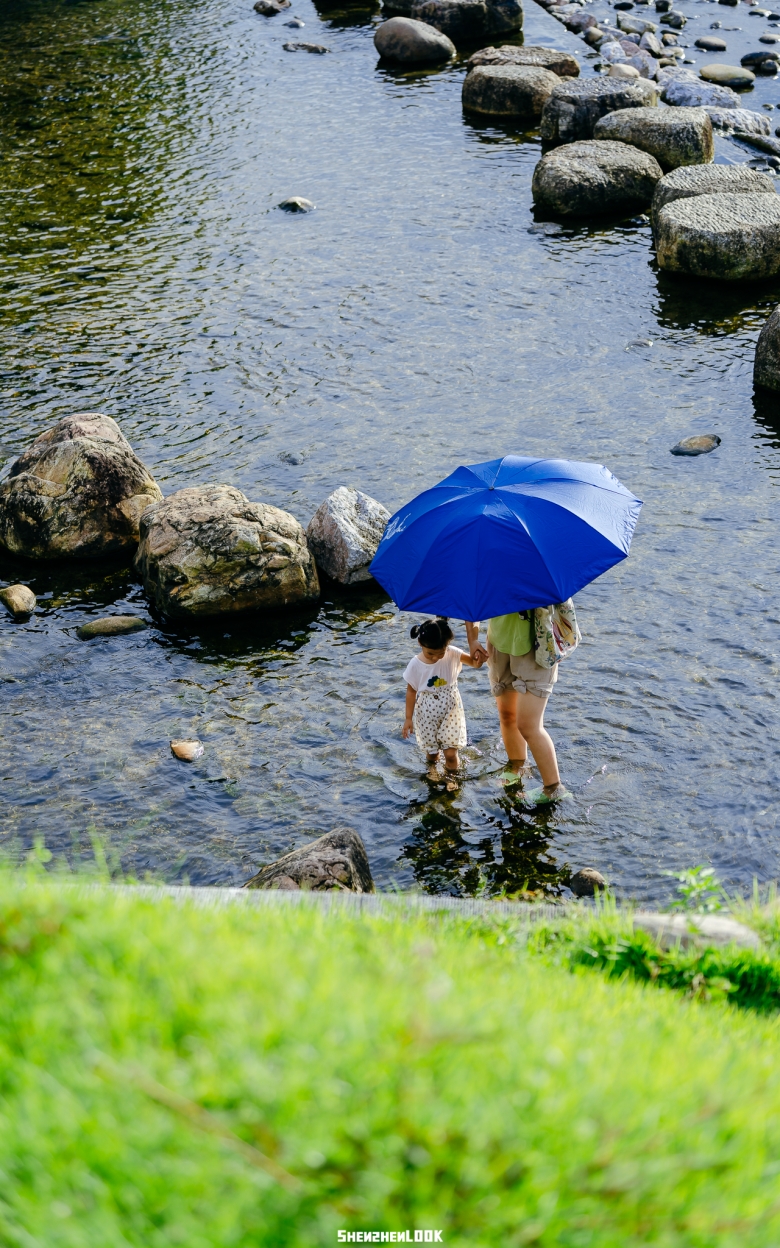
[270, 1075]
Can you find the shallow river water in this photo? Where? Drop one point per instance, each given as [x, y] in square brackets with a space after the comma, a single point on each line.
[412, 323]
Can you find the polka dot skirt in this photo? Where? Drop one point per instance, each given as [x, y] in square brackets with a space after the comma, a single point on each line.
[439, 720]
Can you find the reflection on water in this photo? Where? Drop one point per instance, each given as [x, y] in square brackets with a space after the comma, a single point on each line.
[410, 324]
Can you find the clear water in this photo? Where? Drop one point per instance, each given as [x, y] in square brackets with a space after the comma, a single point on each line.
[410, 324]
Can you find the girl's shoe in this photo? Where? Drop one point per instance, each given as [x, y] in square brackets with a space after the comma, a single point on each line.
[540, 797]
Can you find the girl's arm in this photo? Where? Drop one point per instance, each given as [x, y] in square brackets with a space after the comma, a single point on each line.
[411, 698]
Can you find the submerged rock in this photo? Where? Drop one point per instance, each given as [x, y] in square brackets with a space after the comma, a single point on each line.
[508, 90]
[318, 48]
[344, 534]
[409, 42]
[77, 492]
[467, 20]
[766, 368]
[586, 881]
[187, 751]
[336, 861]
[730, 237]
[594, 177]
[699, 444]
[728, 75]
[270, 8]
[686, 183]
[561, 63]
[19, 600]
[675, 136]
[111, 626]
[669, 930]
[710, 43]
[208, 551]
[296, 203]
[575, 106]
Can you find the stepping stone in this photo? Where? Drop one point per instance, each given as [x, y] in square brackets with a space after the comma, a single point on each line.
[727, 237]
[408, 42]
[594, 177]
[675, 136]
[111, 626]
[575, 106]
[519, 91]
[561, 63]
[766, 368]
[733, 76]
[708, 43]
[688, 182]
[465, 21]
[698, 445]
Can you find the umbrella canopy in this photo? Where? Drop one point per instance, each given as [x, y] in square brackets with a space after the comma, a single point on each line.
[504, 536]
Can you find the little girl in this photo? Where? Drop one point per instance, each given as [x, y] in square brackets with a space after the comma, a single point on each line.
[433, 706]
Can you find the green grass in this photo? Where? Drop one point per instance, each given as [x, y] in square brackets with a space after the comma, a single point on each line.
[406, 1072]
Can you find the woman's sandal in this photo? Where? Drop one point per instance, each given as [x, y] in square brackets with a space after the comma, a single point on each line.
[510, 779]
[540, 797]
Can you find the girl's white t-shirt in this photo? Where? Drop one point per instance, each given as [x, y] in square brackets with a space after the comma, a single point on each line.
[421, 675]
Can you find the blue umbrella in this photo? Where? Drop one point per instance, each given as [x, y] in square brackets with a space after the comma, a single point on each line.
[504, 536]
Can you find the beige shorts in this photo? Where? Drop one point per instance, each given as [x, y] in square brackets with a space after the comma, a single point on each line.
[520, 672]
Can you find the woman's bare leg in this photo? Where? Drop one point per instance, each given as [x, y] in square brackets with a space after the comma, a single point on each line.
[530, 726]
[514, 742]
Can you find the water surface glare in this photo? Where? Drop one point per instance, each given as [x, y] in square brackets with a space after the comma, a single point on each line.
[410, 324]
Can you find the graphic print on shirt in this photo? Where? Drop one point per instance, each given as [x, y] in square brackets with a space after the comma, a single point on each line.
[435, 682]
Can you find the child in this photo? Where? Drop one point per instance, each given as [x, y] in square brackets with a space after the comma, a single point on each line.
[433, 706]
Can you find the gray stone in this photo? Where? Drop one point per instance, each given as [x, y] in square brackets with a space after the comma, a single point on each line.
[699, 444]
[766, 369]
[744, 119]
[694, 180]
[336, 861]
[580, 22]
[318, 48]
[208, 551]
[729, 237]
[409, 42]
[19, 600]
[708, 43]
[77, 492]
[296, 203]
[674, 19]
[625, 71]
[575, 106]
[586, 881]
[755, 58]
[594, 177]
[467, 20]
[508, 90]
[111, 626]
[652, 44]
[683, 89]
[344, 534]
[561, 63]
[634, 25]
[733, 76]
[695, 930]
[675, 136]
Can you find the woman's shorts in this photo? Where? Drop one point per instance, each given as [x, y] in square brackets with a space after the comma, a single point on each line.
[520, 672]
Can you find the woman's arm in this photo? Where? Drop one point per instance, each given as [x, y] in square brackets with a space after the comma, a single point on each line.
[411, 698]
[475, 649]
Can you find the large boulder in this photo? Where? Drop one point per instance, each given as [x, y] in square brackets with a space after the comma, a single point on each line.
[594, 177]
[683, 89]
[408, 42]
[344, 534]
[508, 90]
[766, 368]
[729, 237]
[561, 63]
[575, 105]
[336, 862]
[465, 21]
[688, 182]
[77, 492]
[208, 551]
[675, 136]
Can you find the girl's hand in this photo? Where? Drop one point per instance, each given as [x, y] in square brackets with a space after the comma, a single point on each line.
[408, 728]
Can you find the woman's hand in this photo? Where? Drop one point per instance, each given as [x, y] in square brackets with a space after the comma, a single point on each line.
[408, 728]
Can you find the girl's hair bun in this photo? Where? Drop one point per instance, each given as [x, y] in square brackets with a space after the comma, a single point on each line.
[433, 634]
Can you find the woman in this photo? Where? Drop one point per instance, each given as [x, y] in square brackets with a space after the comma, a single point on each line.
[521, 687]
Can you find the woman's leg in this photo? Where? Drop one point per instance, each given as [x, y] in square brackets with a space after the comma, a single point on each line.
[530, 723]
[514, 742]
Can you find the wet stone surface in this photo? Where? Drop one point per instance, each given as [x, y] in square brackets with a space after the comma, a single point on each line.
[412, 323]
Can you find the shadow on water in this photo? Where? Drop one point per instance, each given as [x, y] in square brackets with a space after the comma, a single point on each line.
[341, 15]
[718, 309]
[766, 409]
[510, 854]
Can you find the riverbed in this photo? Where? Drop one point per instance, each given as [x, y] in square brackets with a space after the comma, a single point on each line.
[413, 322]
